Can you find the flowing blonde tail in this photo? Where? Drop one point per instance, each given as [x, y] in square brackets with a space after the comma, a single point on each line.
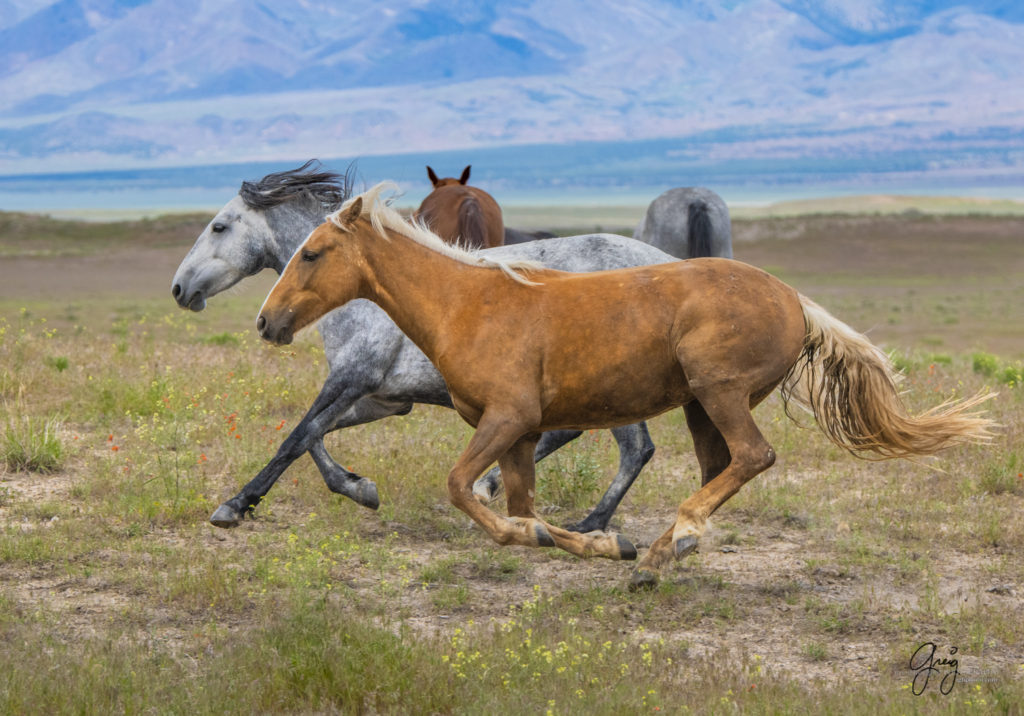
[850, 386]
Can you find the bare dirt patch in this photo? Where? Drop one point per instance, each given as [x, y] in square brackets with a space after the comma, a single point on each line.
[812, 594]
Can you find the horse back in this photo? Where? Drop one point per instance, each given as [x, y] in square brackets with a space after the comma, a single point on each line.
[456, 212]
[618, 346]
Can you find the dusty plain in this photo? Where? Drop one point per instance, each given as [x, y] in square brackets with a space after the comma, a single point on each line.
[814, 589]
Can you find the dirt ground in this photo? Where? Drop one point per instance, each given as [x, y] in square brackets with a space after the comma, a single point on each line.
[771, 562]
[767, 577]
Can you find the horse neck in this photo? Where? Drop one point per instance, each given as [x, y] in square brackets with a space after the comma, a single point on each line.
[290, 223]
[416, 286]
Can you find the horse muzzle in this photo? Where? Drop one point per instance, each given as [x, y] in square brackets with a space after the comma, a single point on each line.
[192, 300]
[278, 332]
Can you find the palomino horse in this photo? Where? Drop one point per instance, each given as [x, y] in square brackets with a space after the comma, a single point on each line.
[460, 213]
[524, 349]
[688, 222]
[374, 370]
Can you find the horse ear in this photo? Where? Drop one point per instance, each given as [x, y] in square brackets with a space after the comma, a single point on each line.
[352, 212]
[432, 176]
[465, 174]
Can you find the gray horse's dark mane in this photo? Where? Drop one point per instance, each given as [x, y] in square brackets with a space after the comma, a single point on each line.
[329, 188]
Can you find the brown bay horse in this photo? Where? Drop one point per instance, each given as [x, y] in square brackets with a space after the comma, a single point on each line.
[525, 349]
[460, 213]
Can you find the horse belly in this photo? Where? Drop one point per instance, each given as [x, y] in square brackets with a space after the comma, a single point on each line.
[613, 388]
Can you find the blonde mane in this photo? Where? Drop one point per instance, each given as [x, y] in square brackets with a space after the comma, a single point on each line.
[383, 217]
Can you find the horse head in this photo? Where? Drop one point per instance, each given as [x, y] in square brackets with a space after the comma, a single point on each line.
[319, 277]
[258, 229]
[232, 246]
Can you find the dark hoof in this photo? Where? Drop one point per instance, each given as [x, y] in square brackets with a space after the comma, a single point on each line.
[226, 516]
[366, 494]
[360, 490]
[684, 546]
[626, 549]
[643, 579]
[542, 536]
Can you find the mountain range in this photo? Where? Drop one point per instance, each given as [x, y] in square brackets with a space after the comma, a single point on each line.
[91, 84]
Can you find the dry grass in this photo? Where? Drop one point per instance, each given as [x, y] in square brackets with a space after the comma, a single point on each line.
[815, 586]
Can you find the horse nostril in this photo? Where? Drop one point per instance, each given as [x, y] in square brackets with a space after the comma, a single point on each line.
[176, 290]
[261, 323]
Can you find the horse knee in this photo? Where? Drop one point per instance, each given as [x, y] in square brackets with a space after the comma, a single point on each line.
[635, 444]
[647, 451]
[297, 443]
[459, 491]
[760, 459]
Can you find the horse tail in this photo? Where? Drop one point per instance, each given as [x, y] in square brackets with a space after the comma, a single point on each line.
[472, 225]
[849, 385]
[699, 230]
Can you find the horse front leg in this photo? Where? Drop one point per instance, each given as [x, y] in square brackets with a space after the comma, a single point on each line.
[488, 488]
[501, 440]
[333, 400]
[635, 450]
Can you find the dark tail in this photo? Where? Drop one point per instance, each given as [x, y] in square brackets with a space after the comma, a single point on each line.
[699, 230]
[472, 226]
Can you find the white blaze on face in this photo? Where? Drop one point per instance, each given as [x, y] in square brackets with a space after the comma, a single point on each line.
[274, 287]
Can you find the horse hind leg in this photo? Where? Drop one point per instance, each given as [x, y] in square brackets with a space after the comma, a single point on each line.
[708, 444]
[635, 450]
[333, 401]
[749, 455]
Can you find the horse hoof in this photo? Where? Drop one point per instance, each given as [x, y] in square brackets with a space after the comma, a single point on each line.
[366, 494]
[643, 579]
[626, 549]
[543, 537]
[226, 516]
[360, 490]
[685, 545]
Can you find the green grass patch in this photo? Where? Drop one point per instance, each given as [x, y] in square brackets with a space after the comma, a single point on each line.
[32, 444]
[221, 339]
[113, 578]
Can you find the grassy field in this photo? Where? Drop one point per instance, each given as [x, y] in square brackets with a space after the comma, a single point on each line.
[124, 422]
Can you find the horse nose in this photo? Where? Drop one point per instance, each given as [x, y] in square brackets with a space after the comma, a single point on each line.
[261, 324]
[176, 291]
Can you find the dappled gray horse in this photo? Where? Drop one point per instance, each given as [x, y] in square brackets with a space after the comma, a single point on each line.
[515, 236]
[374, 370]
[687, 222]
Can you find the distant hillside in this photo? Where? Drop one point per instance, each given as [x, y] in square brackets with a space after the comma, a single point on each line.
[116, 83]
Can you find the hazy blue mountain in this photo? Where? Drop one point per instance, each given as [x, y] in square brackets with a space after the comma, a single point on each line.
[115, 83]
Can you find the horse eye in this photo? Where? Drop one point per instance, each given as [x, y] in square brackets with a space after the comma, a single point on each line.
[310, 255]
[218, 228]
